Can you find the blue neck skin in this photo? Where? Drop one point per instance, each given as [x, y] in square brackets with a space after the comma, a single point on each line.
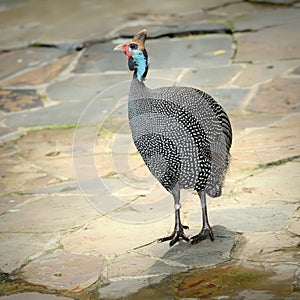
[140, 63]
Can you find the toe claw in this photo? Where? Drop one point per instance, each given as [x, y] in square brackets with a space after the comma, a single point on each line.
[204, 234]
[176, 236]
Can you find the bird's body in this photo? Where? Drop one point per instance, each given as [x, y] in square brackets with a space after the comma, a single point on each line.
[182, 133]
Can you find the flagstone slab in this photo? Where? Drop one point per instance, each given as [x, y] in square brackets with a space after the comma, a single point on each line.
[17, 249]
[33, 296]
[28, 174]
[268, 51]
[266, 144]
[58, 114]
[211, 77]
[263, 73]
[268, 247]
[49, 214]
[198, 51]
[42, 74]
[294, 224]
[279, 96]
[17, 100]
[23, 60]
[250, 218]
[125, 287]
[204, 254]
[103, 236]
[61, 270]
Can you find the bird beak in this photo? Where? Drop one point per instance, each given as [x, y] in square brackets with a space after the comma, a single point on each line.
[120, 47]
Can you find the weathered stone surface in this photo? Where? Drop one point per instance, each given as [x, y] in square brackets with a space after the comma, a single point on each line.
[266, 144]
[250, 218]
[275, 1]
[176, 26]
[204, 254]
[61, 270]
[130, 264]
[86, 87]
[230, 98]
[125, 287]
[294, 225]
[285, 99]
[16, 249]
[245, 15]
[23, 60]
[51, 150]
[253, 74]
[268, 247]
[100, 236]
[33, 296]
[42, 74]
[275, 184]
[16, 100]
[49, 214]
[211, 77]
[65, 113]
[271, 50]
[198, 51]
[8, 202]
[30, 176]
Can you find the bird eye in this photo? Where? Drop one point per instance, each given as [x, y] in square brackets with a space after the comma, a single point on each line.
[133, 46]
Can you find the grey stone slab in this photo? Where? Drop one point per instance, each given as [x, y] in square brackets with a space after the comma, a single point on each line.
[279, 95]
[189, 52]
[204, 254]
[287, 2]
[52, 22]
[125, 287]
[133, 264]
[49, 214]
[248, 15]
[33, 296]
[17, 100]
[59, 188]
[9, 202]
[176, 27]
[272, 50]
[268, 247]
[111, 236]
[230, 98]
[163, 53]
[85, 87]
[61, 270]
[59, 114]
[25, 59]
[17, 248]
[261, 73]
[100, 58]
[211, 77]
[250, 218]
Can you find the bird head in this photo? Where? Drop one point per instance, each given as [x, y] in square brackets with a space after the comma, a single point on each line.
[137, 54]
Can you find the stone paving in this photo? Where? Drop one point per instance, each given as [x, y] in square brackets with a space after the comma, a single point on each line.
[79, 212]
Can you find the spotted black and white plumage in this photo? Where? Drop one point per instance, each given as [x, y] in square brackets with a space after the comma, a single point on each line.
[183, 135]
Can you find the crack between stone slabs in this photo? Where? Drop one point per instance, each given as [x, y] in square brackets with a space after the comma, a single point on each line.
[120, 278]
[223, 5]
[165, 261]
[267, 3]
[278, 162]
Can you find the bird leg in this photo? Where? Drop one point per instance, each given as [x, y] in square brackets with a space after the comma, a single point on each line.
[178, 233]
[206, 231]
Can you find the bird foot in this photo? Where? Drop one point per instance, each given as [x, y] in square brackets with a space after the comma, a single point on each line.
[176, 236]
[205, 233]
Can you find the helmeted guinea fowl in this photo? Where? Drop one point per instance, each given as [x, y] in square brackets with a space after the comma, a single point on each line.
[183, 135]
